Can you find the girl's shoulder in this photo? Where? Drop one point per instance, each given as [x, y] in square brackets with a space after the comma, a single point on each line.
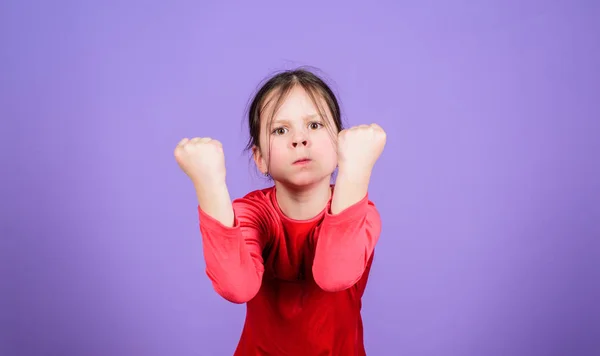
[257, 204]
[258, 196]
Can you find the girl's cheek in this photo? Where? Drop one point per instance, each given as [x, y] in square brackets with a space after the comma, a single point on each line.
[276, 153]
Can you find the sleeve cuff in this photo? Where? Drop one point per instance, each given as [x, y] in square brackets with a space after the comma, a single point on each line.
[210, 223]
[353, 212]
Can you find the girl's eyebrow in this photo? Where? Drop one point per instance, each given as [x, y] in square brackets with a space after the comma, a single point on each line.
[306, 118]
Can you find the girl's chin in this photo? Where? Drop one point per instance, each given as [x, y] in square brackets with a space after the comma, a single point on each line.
[304, 179]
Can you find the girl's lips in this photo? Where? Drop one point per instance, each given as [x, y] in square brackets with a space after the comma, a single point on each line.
[302, 161]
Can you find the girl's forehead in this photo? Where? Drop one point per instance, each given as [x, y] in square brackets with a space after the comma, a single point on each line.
[296, 104]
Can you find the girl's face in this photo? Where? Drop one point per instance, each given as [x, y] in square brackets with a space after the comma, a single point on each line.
[299, 147]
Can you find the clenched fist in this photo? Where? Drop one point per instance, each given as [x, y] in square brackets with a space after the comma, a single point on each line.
[202, 159]
[359, 147]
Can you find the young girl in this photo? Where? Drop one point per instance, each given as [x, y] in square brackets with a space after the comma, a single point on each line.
[297, 253]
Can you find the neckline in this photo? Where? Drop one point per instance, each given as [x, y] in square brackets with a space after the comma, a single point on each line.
[296, 221]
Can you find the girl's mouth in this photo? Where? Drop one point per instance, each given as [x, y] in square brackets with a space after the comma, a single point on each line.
[302, 161]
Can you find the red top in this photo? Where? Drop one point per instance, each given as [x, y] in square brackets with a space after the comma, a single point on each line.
[302, 280]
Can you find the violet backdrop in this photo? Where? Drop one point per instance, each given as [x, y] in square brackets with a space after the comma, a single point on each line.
[488, 187]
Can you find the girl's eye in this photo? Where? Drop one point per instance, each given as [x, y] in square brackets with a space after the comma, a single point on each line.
[279, 131]
[315, 125]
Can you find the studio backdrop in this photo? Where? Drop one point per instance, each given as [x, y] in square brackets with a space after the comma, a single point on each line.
[488, 187]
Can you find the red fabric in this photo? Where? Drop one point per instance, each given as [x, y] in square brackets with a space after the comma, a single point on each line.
[302, 280]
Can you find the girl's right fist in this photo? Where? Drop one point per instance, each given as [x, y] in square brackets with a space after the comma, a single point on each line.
[202, 159]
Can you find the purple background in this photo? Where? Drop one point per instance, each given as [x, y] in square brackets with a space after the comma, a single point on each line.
[488, 188]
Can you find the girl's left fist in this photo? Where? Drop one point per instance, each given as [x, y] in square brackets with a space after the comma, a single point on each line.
[359, 147]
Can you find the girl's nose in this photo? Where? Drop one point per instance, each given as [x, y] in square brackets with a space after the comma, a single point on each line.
[302, 142]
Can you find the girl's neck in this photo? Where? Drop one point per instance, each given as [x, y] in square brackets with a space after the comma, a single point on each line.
[303, 203]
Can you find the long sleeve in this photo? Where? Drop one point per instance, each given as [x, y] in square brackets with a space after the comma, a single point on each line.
[233, 255]
[344, 245]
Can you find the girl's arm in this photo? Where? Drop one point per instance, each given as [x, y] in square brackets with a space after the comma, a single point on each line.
[351, 226]
[347, 236]
[233, 241]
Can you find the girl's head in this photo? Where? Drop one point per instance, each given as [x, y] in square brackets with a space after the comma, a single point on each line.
[294, 120]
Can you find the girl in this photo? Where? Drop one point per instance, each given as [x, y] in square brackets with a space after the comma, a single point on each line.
[297, 253]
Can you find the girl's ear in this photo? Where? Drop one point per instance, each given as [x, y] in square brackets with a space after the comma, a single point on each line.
[259, 160]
